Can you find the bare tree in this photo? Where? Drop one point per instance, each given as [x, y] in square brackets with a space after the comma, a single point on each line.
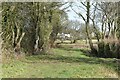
[87, 22]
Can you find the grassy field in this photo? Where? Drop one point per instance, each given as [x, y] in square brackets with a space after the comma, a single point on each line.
[61, 63]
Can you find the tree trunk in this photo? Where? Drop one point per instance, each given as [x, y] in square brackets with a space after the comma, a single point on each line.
[93, 50]
[87, 25]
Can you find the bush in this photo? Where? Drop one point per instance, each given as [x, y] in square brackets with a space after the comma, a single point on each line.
[94, 51]
[113, 49]
[107, 51]
[117, 50]
[101, 49]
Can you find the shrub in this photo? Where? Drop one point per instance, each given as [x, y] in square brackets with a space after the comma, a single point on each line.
[94, 51]
[101, 49]
[117, 50]
[107, 50]
[113, 49]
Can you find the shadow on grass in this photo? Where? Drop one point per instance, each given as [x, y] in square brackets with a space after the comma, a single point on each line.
[93, 59]
[80, 60]
[67, 59]
[85, 52]
[73, 59]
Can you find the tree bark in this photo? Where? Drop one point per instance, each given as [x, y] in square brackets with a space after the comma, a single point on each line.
[87, 25]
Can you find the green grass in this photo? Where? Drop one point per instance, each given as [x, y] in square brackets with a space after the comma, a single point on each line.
[61, 63]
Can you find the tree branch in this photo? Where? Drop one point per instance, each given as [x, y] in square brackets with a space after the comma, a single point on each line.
[79, 14]
[83, 4]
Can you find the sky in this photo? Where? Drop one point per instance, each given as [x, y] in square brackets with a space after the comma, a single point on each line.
[73, 16]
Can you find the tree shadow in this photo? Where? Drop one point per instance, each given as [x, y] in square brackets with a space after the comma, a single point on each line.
[94, 59]
[71, 59]
[66, 59]
[85, 52]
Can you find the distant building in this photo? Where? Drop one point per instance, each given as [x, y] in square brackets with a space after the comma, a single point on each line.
[93, 34]
[64, 36]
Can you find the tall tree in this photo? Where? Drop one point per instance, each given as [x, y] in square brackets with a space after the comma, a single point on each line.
[87, 22]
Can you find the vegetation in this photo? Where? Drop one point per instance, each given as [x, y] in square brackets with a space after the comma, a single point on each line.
[61, 63]
[107, 13]
[39, 37]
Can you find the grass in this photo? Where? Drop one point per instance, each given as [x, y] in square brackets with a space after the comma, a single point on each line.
[61, 63]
